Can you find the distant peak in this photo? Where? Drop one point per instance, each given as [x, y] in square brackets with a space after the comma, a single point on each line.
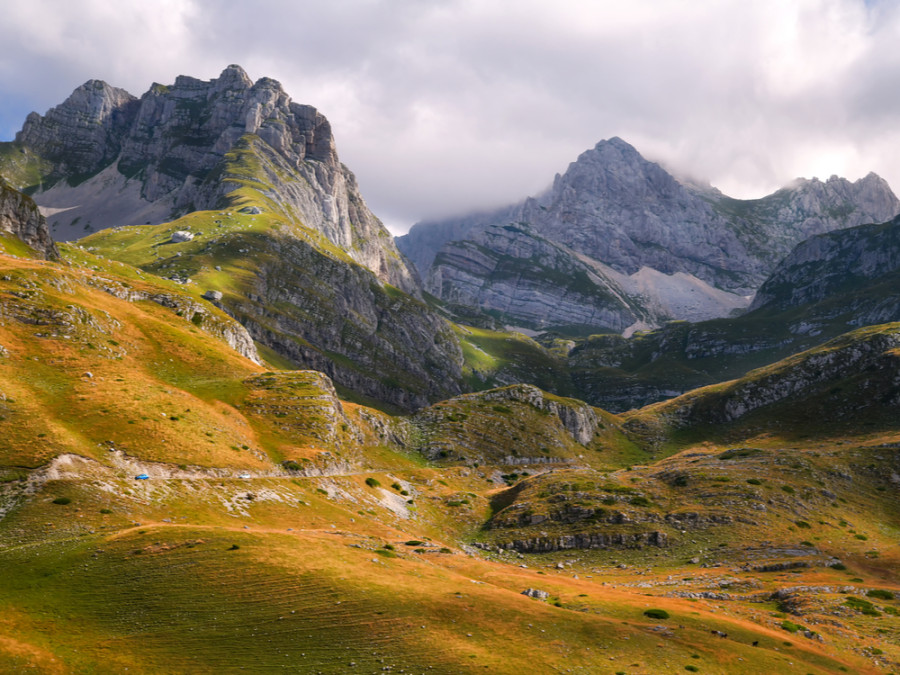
[615, 142]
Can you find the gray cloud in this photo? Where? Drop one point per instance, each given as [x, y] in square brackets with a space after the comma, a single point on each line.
[446, 105]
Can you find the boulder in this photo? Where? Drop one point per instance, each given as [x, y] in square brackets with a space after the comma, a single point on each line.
[535, 593]
[181, 236]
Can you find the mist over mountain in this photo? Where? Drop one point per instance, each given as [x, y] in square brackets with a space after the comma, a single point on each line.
[678, 250]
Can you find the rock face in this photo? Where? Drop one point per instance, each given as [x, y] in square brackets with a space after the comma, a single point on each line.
[118, 160]
[19, 217]
[850, 262]
[511, 271]
[589, 540]
[85, 133]
[612, 207]
[334, 317]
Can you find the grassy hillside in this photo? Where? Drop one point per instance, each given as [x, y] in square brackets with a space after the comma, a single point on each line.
[281, 527]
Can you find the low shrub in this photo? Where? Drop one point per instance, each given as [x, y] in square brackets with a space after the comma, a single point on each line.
[62, 501]
[862, 606]
[656, 614]
[372, 482]
[880, 594]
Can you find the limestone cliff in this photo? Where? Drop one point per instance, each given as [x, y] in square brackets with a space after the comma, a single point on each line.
[19, 217]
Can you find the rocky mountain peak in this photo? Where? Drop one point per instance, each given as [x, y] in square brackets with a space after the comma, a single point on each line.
[235, 77]
[612, 207]
[118, 160]
[83, 132]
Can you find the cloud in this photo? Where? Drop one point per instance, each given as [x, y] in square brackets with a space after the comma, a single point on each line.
[440, 106]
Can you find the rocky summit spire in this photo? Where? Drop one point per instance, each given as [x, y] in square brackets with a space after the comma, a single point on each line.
[234, 77]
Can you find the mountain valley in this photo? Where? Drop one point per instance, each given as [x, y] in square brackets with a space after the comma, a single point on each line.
[241, 431]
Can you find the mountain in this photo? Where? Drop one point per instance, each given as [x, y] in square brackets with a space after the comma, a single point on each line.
[112, 159]
[682, 251]
[857, 265]
[229, 187]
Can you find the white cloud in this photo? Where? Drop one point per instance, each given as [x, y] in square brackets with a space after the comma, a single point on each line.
[444, 105]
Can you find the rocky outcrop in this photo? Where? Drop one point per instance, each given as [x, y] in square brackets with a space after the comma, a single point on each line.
[19, 217]
[615, 208]
[588, 540]
[577, 417]
[84, 134]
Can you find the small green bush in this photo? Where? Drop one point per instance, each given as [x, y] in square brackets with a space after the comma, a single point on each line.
[862, 606]
[754, 481]
[639, 501]
[656, 614]
[691, 668]
[372, 482]
[840, 567]
[790, 626]
[880, 594]
[62, 501]
[413, 542]
[861, 537]
[789, 489]
[803, 524]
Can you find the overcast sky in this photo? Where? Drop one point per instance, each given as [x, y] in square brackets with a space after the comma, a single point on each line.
[443, 106]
